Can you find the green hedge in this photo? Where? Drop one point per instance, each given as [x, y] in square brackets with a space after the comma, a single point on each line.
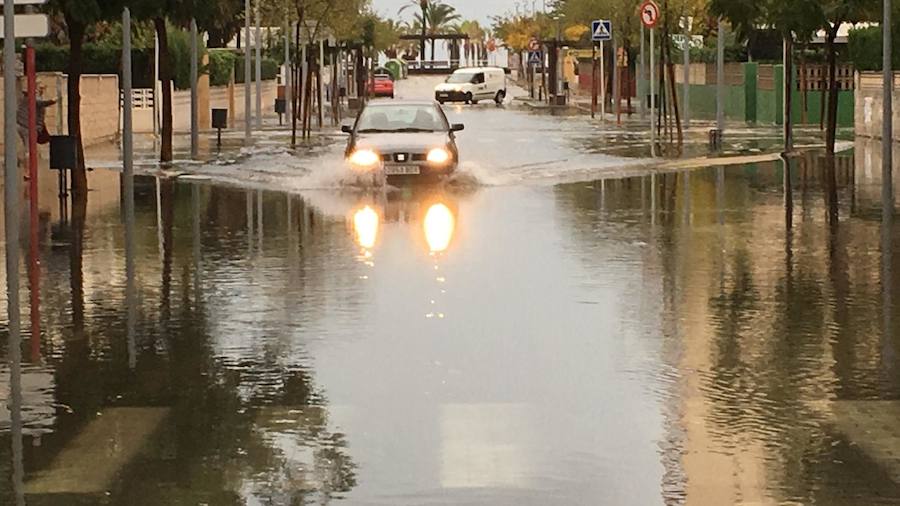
[97, 60]
[864, 48]
[221, 64]
[108, 60]
[269, 68]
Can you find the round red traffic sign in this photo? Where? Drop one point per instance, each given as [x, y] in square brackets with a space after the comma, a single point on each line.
[534, 44]
[491, 45]
[649, 13]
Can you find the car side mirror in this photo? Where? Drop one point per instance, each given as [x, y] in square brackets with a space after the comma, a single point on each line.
[457, 127]
[347, 129]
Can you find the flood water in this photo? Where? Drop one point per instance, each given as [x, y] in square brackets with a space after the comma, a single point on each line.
[668, 339]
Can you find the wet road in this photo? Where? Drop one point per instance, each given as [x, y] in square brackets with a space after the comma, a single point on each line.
[664, 339]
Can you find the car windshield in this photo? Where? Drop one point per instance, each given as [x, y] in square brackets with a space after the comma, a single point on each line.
[460, 78]
[401, 118]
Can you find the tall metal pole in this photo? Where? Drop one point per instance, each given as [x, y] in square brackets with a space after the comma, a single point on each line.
[288, 85]
[128, 176]
[641, 75]
[11, 211]
[652, 96]
[157, 88]
[686, 86]
[258, 46]
[720, 78]
[248, 104]
[127, 115]
[602, 82]
[887, 133]
[195, 134]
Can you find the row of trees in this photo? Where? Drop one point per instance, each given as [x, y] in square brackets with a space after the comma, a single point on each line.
[221, 20]
[796, 21]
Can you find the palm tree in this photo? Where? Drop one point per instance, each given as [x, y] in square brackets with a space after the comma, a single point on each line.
[439, 17]
[476, 36]
[424, 6]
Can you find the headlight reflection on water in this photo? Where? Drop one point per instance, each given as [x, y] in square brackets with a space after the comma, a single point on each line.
[439, 227]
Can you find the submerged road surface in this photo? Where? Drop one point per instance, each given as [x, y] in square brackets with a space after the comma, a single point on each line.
[662, 339]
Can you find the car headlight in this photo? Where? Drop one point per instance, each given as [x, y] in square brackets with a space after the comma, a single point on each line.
[364, 158]
[438, 155]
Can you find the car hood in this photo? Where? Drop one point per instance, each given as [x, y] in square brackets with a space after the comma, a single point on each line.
[402, 141]
[449, 87]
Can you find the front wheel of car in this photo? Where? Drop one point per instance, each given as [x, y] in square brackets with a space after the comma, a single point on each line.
[469, 98]
[501, 95]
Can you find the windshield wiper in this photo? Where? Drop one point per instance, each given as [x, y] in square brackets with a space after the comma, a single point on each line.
[413, 130]
[372, 131]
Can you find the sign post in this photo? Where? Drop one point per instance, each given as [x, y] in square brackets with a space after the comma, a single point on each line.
[649, 18]
[593, 80]
[601, 31]
[11, 204]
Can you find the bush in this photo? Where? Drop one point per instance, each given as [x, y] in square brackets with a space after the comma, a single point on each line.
[98, 60]
[864, 48]
[221, 65]
[270, 69]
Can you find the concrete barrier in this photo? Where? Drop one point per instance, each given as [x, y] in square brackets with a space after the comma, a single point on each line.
[869, 104]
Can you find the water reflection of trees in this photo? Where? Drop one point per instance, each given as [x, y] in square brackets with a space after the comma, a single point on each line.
[216, 438]
[769, 320]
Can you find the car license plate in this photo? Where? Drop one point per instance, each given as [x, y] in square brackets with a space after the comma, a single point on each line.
[401, 170]
[443, 95]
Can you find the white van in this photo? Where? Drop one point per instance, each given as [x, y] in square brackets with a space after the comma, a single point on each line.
[470, 85]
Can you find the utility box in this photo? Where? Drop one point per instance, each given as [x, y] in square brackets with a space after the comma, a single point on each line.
[220, 118]
[63, 153]
[559, 100]
[280, 106]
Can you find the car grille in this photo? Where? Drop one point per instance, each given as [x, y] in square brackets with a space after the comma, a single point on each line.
[406, 157]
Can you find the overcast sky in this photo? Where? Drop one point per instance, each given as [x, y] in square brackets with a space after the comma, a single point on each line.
[481, 10]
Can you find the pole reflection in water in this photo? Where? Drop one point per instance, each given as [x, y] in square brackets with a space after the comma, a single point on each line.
[34, 280]
[887, 295]
[16, 427]
[195, 225]
[259, 219]
[249, 196]
[130, 283]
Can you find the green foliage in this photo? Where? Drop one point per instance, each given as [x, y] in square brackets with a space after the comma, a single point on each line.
[180, 57]
[98, 59]
[269, 69]
[865, 48]
[221, 66]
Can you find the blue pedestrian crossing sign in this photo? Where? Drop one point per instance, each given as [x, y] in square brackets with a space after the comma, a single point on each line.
[535, 58]
[601, 30]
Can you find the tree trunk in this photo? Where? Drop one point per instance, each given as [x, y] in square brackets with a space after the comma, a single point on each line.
[831, 120]
[73, 89]
[422, 40]
[165, 77]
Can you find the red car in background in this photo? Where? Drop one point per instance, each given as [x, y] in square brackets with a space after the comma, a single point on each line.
[381, 86]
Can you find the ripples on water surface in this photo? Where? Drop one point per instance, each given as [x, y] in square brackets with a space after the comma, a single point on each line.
[659, 340]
